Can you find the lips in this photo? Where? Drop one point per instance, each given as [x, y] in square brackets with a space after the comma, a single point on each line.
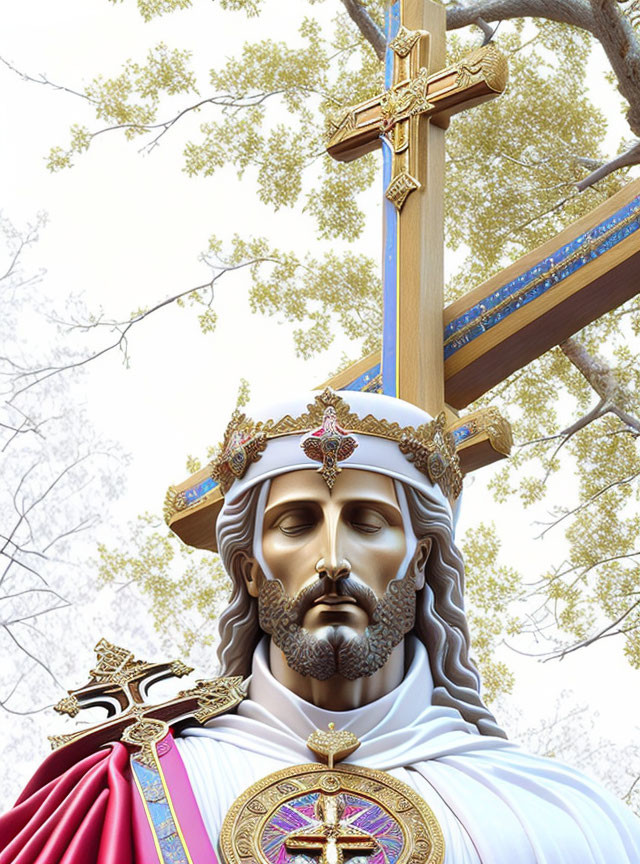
[333, 600]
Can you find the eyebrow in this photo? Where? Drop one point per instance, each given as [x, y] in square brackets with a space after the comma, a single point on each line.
[306, 502]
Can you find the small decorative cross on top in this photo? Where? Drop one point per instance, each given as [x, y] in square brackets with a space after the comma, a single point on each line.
[393, 116]
[408, 121]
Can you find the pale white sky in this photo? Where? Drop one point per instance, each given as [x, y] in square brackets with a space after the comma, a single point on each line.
[125, 230]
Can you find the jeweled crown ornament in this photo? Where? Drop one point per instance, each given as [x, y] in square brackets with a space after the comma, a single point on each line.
[330, 427]
[331, 814]
[330, 444]
[326, 431]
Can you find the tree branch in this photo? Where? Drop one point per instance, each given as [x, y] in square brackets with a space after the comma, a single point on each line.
[42, 79]
[366, 25]
[629, 157]
[602, 18]
[609, 630]
[621, 46]
[602, 378]
[575, 12]
[25, 379]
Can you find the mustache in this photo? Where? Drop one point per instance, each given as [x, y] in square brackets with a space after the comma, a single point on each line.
[349, 586]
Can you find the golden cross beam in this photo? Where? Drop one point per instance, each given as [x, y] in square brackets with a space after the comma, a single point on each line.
[394, 115]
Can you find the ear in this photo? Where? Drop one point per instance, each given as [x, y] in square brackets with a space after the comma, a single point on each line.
[420, 558]
[250, 570]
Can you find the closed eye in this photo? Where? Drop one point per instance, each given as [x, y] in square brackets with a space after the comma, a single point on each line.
[367, 520]
[366, 527]
[296, 522]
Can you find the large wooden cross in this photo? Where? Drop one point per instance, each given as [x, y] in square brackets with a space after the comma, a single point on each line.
[449, 357]
[437, 357]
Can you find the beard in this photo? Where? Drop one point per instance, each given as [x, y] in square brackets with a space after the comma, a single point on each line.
[338, 650]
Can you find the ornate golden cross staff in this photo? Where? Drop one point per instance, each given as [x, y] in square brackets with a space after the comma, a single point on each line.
[119, 683]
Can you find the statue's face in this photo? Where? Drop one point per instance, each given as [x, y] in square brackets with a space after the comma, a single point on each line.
[333, 556]
[356, 526]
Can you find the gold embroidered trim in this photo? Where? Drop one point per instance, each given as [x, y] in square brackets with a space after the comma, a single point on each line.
[429, 446]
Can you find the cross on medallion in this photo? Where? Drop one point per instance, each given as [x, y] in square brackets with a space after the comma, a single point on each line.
[119, 682]
[332, 836]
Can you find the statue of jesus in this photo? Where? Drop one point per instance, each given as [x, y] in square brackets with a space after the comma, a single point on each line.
[362, 737]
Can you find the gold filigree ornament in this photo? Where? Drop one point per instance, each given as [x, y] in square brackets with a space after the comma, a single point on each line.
[429, 446]
[329, 444]
[243, 444]
[144, 734]
[327, 814]
[486, 63]
[404, 40]
[400, 188]
[405, 100]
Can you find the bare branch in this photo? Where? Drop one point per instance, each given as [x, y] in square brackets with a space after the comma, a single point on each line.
[609, 630]
[35, 591]
[366, 25]
[487, 30]
[222, 100]
[621, 46]
[25, 240]
[32, 656]
[629, 157]
[604, 381]
[33, 377]
[624, 481]
[575, 12]
[42, 79]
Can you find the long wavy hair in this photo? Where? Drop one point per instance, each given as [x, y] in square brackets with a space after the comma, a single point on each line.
[441, 624]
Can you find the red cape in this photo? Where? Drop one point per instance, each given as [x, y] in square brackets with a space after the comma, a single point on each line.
[81, 816]
[107, 809]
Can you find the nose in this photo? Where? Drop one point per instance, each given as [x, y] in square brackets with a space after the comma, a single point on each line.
[333, 569]
[332, 563]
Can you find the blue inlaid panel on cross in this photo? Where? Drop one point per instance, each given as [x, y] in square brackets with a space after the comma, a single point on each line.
[197, 492]
[532, 284]
[368, 382]
[462, 433]
[390, 261]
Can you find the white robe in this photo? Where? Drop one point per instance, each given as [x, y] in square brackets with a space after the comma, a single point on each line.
[496, 804]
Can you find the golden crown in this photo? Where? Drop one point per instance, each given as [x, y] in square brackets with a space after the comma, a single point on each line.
[330, 426]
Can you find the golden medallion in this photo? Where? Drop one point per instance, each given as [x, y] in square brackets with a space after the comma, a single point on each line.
[326, 814]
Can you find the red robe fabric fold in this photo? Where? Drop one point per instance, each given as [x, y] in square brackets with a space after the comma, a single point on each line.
[81, 816]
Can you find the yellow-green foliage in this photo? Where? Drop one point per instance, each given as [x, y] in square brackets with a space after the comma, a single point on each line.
[491, 589]
[185, 587]
[512, 169]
